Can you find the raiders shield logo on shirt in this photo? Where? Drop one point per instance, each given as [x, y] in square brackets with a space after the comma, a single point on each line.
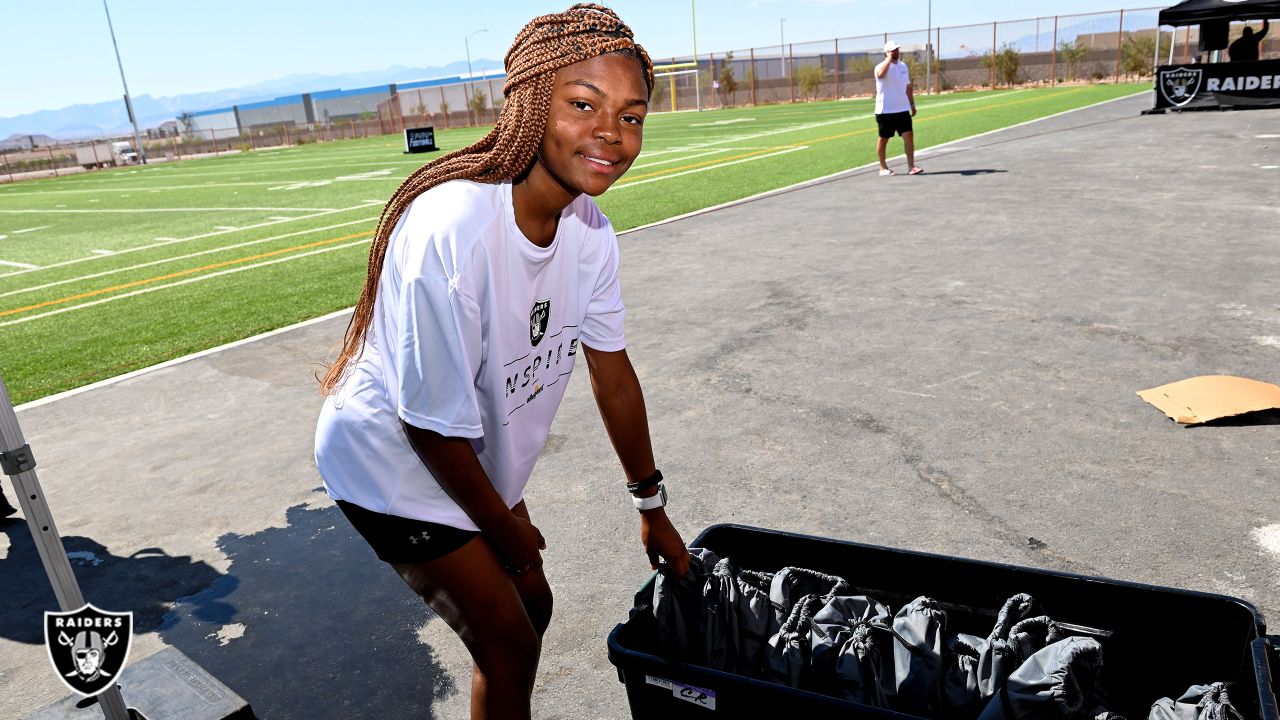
[88, 647]
[538, 318]
[1180, 85]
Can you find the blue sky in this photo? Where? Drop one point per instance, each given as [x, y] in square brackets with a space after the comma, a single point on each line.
[57, 53]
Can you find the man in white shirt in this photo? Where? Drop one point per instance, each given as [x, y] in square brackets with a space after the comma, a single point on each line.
[895, 106]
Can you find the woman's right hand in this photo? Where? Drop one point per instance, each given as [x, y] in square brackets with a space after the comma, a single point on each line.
[519, 546]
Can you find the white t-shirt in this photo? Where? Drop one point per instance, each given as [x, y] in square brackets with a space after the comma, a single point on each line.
[474, 334]
[891, 90]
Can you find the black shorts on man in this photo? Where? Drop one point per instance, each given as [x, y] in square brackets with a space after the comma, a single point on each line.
[893, 123]
[402, 540]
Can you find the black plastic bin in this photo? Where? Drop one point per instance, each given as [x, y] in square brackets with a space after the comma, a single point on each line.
[1157, 641]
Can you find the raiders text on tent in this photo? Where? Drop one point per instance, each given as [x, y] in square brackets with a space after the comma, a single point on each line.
[1244, 82]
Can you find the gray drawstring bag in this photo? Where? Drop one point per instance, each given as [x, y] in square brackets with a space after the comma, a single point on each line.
[919, 628]
[792, 583]
[787, 659]
[1060, 682]
[755, 618]
[1017, 635]
[961, 697]
[678, 612]
[1199, 702]
[848, 656]
[722, 635]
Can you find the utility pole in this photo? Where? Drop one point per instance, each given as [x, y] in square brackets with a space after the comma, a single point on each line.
[697, 74]
[470, 79]
[782, 49]
[928, 51]
[128, 104]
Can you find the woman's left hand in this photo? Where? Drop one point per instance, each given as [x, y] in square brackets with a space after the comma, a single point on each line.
[662, 541]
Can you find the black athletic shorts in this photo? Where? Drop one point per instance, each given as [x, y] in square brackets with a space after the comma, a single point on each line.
[402, 540]
[893, 123]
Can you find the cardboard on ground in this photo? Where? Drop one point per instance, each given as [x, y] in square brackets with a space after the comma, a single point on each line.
[1210, 397]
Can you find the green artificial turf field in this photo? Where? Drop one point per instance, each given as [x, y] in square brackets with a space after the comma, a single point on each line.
[106, 272]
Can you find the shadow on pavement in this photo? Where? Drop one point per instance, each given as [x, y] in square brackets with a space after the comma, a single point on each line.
[308, 623]
[1260, 417]
[982, 171]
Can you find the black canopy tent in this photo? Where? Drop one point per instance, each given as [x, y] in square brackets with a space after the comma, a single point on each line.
[1194, 12]
[1217, 85]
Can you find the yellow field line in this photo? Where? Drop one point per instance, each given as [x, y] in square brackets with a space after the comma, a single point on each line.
[717, 161]
[181, 273]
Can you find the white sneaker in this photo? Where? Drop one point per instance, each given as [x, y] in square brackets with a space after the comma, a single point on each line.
[886, 171]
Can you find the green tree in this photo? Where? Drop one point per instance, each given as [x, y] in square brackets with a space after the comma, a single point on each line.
[659, 94]
[1007, 62]
[860, 68]
[1072, 53]
[809, 78]
[728, 85]
[476, 105]
[1138, 52]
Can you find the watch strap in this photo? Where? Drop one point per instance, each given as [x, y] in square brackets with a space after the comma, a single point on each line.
[656, 500]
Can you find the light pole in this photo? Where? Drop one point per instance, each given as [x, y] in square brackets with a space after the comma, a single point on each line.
[782, 50]
[928, 50]
[128, 104]
[697, 75]
[470, 89]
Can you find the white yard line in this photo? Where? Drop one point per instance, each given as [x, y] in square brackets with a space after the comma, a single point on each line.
[841, 120]
[717, 166]
[18, 264]
[188, 239]
[188, 256]
[27, 230]
[187, 281]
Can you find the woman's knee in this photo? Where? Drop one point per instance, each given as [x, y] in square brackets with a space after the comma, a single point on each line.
[539, 603]
[507, 648]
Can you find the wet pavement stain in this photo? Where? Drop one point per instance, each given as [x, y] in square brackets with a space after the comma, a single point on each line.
[321, 627]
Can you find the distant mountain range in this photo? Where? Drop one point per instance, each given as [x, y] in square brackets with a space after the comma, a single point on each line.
[96, 119]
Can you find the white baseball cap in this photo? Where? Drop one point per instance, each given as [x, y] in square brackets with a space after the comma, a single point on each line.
[891, 45]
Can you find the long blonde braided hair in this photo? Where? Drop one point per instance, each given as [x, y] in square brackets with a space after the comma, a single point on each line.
[546, 44]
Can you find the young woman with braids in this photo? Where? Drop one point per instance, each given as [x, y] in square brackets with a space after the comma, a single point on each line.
[490, 269]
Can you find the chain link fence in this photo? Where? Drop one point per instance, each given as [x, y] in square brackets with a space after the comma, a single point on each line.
[1117, 46]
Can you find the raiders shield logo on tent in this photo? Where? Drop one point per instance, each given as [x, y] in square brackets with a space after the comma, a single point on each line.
[538, 318]
[88, 647]
[1180, 85]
